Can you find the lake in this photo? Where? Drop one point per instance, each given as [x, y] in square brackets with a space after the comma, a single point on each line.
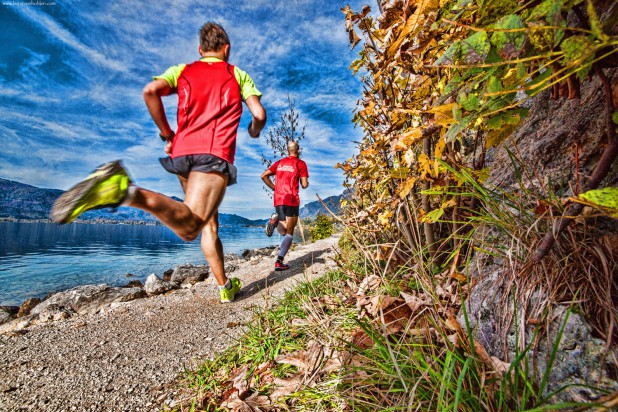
[38, 258]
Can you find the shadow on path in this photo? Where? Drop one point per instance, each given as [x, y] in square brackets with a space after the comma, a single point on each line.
[297, 267]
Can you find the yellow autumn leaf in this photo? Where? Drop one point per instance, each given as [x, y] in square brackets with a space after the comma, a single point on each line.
[384, 217]
[440, 145]
[449, 203]
[424, 165]
[406, 187]
[482, 175]
[368, 110]
[443, 114]
[405, 140]
[368, 152]
[495, 137]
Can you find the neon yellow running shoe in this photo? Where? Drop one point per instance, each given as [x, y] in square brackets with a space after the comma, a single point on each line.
[227, 295]
[105, 187]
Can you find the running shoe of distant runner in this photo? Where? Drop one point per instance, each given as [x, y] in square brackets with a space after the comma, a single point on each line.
[272, 224]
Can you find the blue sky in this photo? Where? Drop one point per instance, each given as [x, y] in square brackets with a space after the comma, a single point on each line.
[72, 74]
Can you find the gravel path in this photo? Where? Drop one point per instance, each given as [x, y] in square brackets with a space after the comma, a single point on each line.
[128, 357]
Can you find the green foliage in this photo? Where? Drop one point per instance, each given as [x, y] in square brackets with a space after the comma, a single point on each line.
[575, 50]
[509, 40]
[323, 228]
[445, 87]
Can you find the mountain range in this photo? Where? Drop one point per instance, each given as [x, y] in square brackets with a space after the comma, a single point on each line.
[19, 201]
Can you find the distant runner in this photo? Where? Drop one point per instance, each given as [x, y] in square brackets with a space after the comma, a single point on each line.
[210, 95]
[288, 172]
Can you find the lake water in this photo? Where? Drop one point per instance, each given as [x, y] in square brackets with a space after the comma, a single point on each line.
[38, 258]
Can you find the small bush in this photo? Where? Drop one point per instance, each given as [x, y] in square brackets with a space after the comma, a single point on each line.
[323, 228]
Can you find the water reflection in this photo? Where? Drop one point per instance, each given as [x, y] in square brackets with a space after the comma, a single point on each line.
[37, 258]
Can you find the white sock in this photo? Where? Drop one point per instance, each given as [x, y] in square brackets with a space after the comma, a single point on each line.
[228, 285]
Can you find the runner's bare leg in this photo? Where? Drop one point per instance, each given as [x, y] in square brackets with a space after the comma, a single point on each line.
[213, 249]
[290, 224]
[204, 192]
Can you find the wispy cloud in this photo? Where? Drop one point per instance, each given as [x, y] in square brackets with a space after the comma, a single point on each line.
[55, 30]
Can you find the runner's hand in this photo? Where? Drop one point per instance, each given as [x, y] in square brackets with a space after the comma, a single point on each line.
[168, 147]
[251, 132]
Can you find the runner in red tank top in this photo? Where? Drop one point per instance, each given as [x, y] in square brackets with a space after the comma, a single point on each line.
[288, 172]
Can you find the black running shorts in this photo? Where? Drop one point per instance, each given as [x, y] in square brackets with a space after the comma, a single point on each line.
[205, 163]
[285, 211]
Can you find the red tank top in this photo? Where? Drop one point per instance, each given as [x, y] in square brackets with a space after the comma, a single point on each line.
[288, 172]
[209, 110]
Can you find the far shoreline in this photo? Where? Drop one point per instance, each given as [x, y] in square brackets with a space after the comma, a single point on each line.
[87, 222]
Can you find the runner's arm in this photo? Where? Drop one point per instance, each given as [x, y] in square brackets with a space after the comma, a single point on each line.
[259, 116]
[152, 97]
[266, 178]
[304, 182]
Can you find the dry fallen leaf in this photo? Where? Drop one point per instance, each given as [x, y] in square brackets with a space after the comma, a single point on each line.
[414, 302]
[285, 387]
[239, 381]
[234, 404]
[361, 340]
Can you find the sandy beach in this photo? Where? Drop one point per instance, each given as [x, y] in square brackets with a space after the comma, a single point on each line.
[129, 356]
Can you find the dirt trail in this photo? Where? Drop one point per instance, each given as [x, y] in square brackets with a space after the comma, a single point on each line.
[125, 358]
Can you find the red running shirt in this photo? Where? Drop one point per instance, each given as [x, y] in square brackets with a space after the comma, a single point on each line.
[288, 172]
[209, 110]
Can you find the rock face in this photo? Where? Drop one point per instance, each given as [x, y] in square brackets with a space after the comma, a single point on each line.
[232, 262]
[6, 314]
[87, 299]
[580, 359]
[547, 143]
[551, 136]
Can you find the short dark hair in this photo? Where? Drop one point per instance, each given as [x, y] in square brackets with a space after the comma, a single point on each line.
[213, 37]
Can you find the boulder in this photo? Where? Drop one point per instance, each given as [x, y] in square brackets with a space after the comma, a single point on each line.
[54, 312]
[155, 285]
[190, 274]
[167, 275]
[17, 325]
[135, 283]
[87, 299]
[27, 306]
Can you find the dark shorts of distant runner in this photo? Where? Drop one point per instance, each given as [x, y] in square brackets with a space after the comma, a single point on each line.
[206, 163]
[285, 211]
